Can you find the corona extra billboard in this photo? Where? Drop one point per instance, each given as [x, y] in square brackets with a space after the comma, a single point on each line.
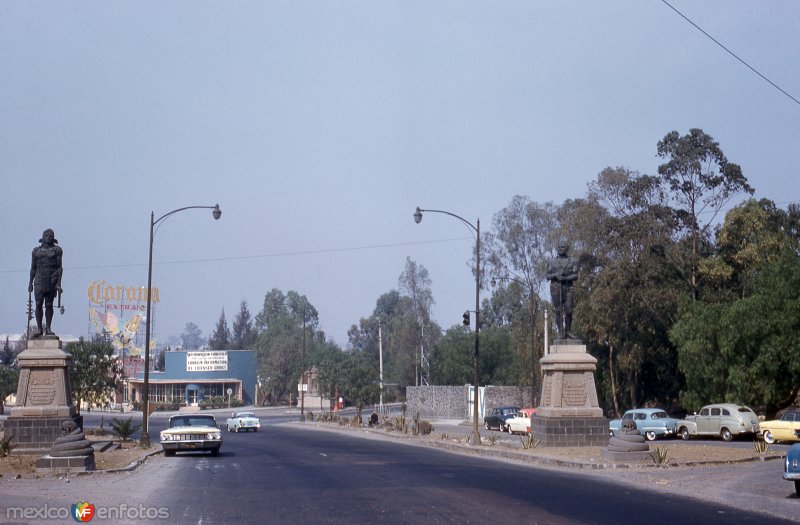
[118, 313]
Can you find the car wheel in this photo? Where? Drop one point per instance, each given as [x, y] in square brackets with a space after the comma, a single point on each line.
[215, 452]
[650, 435]
[508, 427]
[797, 487]
[237, 430]
[169, 453]
[768, 437]
[486, 425]
[726, 434]
[684, 432]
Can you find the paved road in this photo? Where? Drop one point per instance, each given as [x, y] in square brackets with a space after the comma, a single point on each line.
[296, 474]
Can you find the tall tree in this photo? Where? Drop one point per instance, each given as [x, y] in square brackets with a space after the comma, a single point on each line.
[518, 247]
[627, 294]
[221, 337]
[702, 181]
[95, 372]
[243, 333]
[415, 283]
[192, 337]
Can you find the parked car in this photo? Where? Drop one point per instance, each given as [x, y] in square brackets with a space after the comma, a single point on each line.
[781, 429]
[243, 421]
[791, 466]
[498, 417]
[191, 432]
[725, 420]
[521, 422]
[651, 422]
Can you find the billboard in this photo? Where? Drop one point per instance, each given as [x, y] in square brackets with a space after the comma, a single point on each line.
[118, 313]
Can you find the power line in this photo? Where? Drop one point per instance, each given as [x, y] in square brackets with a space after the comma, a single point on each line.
[263, 256]
[754, 70]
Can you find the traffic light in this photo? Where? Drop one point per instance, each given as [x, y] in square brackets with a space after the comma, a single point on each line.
[466, 318]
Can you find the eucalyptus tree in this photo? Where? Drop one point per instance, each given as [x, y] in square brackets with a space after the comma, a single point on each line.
[517, 247]
[192, 337]
[415, 283]
[701, 182]
[626, 298]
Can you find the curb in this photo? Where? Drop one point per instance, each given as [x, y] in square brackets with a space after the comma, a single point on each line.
[491, 452]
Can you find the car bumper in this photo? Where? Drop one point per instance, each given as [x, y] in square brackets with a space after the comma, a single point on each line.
[191, 445]
[791, 476]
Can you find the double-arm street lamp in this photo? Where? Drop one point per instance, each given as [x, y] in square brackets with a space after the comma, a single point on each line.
[532, 308]
[475, 438]
[144, 439]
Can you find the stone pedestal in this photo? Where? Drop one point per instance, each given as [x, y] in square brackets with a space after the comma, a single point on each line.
[569, 414]
[44, 397]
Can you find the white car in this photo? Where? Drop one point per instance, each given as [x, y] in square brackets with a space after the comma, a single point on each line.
[189, 433]
[521, 423]
[243, 421]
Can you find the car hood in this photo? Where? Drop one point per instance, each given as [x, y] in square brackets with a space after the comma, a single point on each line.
[190, 430]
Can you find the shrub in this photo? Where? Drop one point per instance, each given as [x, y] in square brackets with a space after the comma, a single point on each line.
[528, 442]
[760, 446]
[124, 428]
[6, 446]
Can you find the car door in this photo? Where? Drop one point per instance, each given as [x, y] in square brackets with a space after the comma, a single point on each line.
[704, 421]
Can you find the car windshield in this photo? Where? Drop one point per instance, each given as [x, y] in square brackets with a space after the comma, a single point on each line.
[509, 411]
[196, 421]
[246, 414]
[659, 415]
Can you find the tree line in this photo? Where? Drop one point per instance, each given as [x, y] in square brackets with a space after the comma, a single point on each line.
[683, 298]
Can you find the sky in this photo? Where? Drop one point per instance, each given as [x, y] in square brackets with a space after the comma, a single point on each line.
[319, 126]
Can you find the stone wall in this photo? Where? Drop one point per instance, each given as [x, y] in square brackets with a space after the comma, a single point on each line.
[432, 402]
[450, 402]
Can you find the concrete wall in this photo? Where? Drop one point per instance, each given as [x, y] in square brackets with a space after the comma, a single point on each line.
[450, 402]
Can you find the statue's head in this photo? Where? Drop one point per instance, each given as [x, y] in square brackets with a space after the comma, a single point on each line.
[48, 237]
[563, 248]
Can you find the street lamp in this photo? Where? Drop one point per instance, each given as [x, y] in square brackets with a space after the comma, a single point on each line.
[532, 307]
[475, 438]
[144, 439]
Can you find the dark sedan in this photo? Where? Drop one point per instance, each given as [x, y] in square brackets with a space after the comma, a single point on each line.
[498, 417]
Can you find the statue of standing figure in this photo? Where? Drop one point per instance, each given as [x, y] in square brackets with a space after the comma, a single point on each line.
[562, 272]
[45, 280]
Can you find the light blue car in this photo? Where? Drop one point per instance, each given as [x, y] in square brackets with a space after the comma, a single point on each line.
[791, 466]
[651, 422]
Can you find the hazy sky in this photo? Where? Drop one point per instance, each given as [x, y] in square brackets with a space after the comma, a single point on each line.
[319, 126]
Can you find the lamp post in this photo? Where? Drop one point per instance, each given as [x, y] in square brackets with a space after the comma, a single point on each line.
[532, 307]
[475, 438]
[144, 439]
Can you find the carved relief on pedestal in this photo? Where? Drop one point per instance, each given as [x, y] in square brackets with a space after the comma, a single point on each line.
[574, 390]
[41, 387]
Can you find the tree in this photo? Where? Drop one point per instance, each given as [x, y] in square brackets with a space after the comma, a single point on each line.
[415, 283]
[7, 354]
[9, 379]
[280, 345]
[95, 372]
[243, 333]
[518, 247]
[192, 337]
[701, 181]
[626, 298]
[221, 337]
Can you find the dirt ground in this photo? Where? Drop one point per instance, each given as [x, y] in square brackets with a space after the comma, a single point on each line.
[24, 466]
